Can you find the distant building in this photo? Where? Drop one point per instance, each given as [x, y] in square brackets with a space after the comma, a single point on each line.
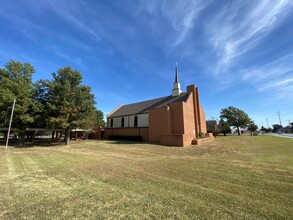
[173, 120]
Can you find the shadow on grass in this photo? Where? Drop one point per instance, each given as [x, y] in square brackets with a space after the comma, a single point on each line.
[58, 143]
[128, 142]
[36, 143]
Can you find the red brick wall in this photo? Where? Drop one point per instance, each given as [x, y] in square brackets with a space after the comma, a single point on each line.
[159, 123]
[173, 125]
[176, 115]
[189, 118]
[95, 135]
[203, 121]
[200, 121]
[172, 140]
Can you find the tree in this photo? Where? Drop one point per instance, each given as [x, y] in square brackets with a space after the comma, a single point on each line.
[41, 97]
[100, 118]
[267, 130]
[16, 82]
[277, 127]
[287, 129]
[235, 117]
[263, 129]
[224, 127]
[252, 127]
[71, 105]
[212, 127]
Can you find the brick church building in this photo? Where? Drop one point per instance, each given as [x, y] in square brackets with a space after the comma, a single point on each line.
[174, 120]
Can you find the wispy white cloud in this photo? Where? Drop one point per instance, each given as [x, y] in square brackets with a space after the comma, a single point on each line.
[274, 78]
[182, 15]
[74, 15]
[239, 27]
[23, 25]
[179, 18]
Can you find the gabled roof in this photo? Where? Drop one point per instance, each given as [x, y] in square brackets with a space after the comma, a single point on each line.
[145, 106]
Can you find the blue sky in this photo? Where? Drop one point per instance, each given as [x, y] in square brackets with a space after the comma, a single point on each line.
[239, 53]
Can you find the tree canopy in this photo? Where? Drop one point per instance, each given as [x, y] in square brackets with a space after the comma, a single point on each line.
[224, 127]
[252, 127]
[71, 105]
[60, 103]
[277, 127]
[100, 118]
[235, 117]
[16, 83]
[212, 127]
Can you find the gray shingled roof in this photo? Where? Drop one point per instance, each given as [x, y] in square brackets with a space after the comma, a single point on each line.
[144, 107]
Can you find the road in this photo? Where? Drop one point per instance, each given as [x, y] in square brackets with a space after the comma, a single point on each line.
[282, 135]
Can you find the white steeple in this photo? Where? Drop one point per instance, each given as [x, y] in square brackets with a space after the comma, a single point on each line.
[176, 85]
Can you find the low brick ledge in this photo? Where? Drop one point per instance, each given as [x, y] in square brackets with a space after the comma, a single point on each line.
[201, 140]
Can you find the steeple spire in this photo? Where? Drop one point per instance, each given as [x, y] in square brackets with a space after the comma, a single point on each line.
[176, 73]
[176, 85]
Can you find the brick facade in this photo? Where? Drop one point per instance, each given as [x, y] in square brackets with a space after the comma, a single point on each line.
[175, 124]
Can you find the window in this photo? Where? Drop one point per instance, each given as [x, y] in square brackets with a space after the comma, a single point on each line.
[135, 121]
[111, 123]
[122, 123]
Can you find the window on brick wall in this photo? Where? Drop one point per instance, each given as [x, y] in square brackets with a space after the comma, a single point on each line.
[135, 121]
[122, 122]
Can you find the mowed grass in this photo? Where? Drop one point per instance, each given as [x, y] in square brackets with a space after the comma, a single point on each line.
[230, 178]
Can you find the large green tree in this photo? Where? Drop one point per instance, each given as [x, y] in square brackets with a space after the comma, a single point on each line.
[41, 97]
[70, 104]
[100, 118]
[224, 127]
[252, 127]
[277, 127]
[235, 117]
[16, 83]
[212, 127]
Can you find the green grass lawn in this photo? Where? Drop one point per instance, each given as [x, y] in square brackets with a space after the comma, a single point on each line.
[233, 177]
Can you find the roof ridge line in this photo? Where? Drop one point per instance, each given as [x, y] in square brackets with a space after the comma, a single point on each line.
[112, 112]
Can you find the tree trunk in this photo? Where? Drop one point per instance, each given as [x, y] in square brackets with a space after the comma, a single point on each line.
[21, 138]
[53, 135]
[238, 130]
[5, 137]
[67, 136]
[34, 136]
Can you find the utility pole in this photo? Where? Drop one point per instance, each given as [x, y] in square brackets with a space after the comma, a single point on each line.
[267, 123]
[279, 118]
[10, 125]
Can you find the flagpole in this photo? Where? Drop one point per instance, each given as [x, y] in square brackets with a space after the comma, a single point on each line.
[10, 124]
